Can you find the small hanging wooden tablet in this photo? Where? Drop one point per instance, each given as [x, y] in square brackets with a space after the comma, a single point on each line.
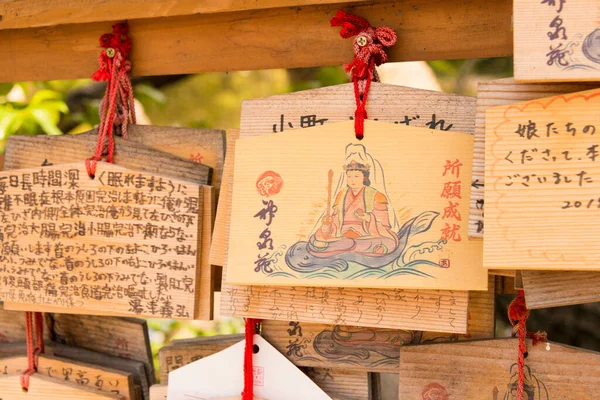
[487, 369]
[41, 387]
[543, 179]
[368, 349]
[94, 377]
[377, 220]
[33, 151]
[72, 241]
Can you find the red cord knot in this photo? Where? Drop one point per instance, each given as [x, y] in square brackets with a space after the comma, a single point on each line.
[368, 44]
[116, 43]
[369, 52]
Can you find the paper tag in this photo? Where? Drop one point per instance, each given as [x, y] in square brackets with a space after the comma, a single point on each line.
[222, 375]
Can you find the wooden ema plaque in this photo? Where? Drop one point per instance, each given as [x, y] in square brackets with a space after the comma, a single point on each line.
[385, 102]
[136, 369]
[185, 351]
[542, 183]
[368, 349]
[28, 152]
[557, 40]
[365, 218]
[495, 93]
[543, 289]
[399, 105]
[121, 337]
[341, 384]
[42, 387]
[101, 379]
[487, 369]
[123, 242]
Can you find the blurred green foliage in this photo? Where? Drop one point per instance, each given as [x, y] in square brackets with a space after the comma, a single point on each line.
[29, 109]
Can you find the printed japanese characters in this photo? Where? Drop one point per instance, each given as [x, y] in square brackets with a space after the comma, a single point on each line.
[390, 210]
[557, 40]
[542, 184]
[124, 242]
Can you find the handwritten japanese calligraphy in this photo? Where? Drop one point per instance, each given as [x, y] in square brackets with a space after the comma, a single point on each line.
[543, 159]
[123, 242]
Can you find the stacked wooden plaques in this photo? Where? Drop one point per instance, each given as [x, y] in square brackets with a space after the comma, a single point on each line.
[84, 357]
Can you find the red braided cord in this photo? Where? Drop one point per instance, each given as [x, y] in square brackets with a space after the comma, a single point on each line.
[368, 52]
[248, 393]
[117, 106]
[517, 315]
[39, 333]
[30, 351]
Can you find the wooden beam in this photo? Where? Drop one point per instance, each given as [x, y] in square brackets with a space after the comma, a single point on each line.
[261, 39]
[19, 14]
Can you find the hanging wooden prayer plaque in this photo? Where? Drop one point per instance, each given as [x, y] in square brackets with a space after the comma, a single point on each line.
[136, 369]
[543, 289]
[342, 384]
[388, 211]
[42, 387]
[123, 242]
[118, 336]
[557, 40]
[398, 308]
[368, 349]
[89, 376]
[399, 105]
[488, 369]
[543, 180]
[33, 151]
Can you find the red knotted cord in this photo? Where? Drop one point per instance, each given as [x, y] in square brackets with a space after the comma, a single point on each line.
[517, 315]
[33, 321]
[117, 107]
[368, 52]
[248, 393]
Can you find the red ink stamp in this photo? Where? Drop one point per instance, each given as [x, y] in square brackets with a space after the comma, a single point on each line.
[445, 263]
[196, 158]
[435, 391]
[269, 183]
[259, 376]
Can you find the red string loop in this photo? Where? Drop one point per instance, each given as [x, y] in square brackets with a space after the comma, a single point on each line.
[248, 393]
[368, 52]
[33, 321]
[117, 107]
[517, 315]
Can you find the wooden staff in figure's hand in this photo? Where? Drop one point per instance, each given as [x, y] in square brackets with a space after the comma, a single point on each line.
[328, 220]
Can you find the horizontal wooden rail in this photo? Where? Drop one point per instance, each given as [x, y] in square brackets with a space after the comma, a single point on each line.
[261, 39]
[18, 14]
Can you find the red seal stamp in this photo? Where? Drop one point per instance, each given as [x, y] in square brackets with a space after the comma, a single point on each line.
[445, 263]
[259, 376]
[435, 391]
[269, 183]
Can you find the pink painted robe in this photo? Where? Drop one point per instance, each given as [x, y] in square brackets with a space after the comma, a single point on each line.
[349, 233]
